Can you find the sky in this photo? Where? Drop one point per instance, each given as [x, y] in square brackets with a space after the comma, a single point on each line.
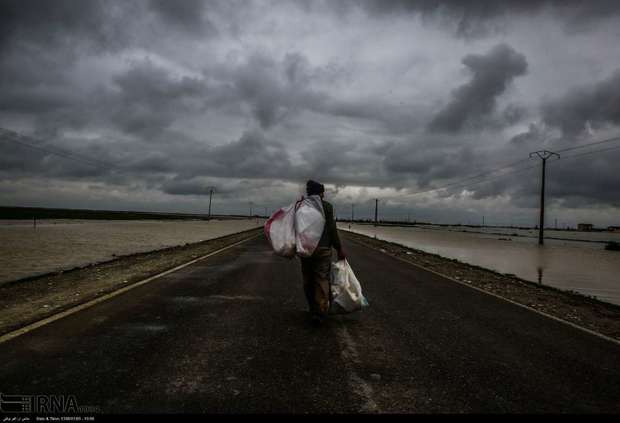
[430, 107]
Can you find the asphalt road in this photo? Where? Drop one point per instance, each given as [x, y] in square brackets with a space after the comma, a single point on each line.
[230, 334]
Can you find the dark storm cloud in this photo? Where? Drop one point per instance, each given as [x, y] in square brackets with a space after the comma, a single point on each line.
[570, 183]
[145, 99]
[342, 163]
[252, 156]
[185, 15]
[535, 135]
[432, 159]
[255, 157]
[150, 98]
[152, 162]
[475, 100]
[182, 95]
[587, 182]
[277, 89]
[574, 182]
[468, 19]
[99, 23]
[581, 110]
[42, 43]
[27, 92]
[274, 89]
[597, 104]
[393, 118]
[238, 190]
[18, 158]
[24, 156]
[192, 186]
[477, 18]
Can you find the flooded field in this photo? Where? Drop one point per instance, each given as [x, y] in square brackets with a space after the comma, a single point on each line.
[582, 266]
[553, 234]
[63, 244]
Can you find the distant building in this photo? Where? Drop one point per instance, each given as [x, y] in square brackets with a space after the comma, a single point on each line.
[614, 229]
[584, 227]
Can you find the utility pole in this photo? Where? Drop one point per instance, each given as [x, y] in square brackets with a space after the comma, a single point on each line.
[352, 211]
[543, 155]
[210, 195]
[376, 207]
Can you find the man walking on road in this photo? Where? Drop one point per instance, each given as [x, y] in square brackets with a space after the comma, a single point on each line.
[316, 268]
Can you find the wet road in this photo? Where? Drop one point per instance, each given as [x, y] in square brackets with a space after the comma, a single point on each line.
[229, 334]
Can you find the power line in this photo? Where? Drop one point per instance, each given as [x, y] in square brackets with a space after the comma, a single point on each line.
[509, 165]
[590, 152]
[489, 172]
[57, 151]
[18, 139]
[499, 176]
[460, 185]
[496, 169]
[490, 179]
[589, 144]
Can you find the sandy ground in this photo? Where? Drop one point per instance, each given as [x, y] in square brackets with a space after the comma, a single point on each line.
[590, 313]
[31, 299]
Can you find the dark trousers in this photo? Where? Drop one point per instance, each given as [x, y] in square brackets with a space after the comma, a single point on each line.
[315, 271]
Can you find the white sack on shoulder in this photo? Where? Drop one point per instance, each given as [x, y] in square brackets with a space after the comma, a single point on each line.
[346, 289]
[309, 224]
[280, 231]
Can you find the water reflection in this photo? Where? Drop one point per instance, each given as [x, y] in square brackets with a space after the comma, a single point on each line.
[62, 244]
[571, 265]
[541, 262]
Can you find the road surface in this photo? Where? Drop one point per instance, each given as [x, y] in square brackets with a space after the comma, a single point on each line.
[230, 334]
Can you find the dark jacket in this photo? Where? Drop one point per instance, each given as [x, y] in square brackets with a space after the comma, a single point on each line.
[329, 238]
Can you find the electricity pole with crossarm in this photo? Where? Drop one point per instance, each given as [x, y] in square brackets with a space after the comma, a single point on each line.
[543, 155]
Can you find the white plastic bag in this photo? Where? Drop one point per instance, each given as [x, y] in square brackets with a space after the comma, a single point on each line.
[346, 289]
[280, 231]
[309, 224]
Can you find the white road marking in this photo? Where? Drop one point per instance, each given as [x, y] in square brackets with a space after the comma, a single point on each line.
[557, 319]
[73, 310]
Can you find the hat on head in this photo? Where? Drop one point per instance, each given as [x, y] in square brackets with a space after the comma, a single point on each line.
[314, 188]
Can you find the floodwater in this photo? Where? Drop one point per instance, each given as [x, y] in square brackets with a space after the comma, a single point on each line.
[578, 264]
[63, 244]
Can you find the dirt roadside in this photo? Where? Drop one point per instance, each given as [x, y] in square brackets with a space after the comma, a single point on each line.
[28, 300]
[592, 314]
